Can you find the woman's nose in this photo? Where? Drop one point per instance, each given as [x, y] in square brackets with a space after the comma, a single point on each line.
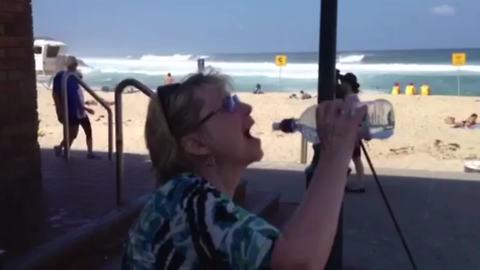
[245, 108]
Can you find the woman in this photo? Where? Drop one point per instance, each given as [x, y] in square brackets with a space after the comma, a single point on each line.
[199, 140]
[351, 88]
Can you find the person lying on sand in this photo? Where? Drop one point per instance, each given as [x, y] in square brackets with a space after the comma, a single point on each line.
[467, 123]
[305, 95]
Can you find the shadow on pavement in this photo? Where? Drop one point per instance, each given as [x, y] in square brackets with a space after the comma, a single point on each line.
[437, 212]
[74, 193]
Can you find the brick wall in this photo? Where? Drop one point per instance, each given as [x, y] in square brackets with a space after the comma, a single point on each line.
[20, 174]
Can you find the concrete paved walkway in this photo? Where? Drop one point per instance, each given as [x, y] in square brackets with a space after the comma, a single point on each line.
[437, 211]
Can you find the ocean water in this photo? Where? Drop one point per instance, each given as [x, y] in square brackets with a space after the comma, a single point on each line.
[376, 70]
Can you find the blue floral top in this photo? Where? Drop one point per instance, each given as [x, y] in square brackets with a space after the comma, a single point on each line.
[188, 224]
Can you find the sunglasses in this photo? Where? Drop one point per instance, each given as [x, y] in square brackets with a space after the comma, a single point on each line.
[229, 104]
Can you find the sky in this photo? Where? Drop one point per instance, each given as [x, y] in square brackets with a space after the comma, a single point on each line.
[136, 27]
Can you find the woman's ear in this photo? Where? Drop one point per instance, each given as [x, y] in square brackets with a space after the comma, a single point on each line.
[194, 144]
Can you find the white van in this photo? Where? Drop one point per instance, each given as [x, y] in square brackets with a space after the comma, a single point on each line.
[49, 56]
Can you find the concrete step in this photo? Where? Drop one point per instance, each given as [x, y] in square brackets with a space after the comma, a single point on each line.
[72, 250]
[99, 245]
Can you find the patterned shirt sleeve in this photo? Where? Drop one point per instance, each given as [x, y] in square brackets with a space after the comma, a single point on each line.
[244, 240]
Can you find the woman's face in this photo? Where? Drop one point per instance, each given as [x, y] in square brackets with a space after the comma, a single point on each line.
[226, 133]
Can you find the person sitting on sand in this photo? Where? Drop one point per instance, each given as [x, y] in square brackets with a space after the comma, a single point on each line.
[258, 89]
[470, 122]
[304, 95]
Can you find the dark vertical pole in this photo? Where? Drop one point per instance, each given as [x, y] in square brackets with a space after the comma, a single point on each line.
[1, 259]
[327, 50]
[327, 83]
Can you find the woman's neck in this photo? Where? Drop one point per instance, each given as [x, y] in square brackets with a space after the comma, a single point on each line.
[223, 178]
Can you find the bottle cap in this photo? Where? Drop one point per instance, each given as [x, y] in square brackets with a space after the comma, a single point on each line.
[276, 126]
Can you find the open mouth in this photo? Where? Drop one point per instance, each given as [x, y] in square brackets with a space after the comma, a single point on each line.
[247, 134]
[249, 130]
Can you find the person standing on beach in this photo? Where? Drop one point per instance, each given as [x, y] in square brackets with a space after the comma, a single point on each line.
[168, 79]
[76, 108]
[351, 87]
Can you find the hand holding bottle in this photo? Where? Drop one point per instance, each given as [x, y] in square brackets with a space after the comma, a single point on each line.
[338, 125]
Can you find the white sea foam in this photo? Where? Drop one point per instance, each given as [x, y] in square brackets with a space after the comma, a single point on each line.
[166, 58]
[180, 65]
[354, 58]
[408, 68]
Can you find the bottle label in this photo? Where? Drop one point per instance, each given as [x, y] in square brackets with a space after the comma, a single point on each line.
[310, 134]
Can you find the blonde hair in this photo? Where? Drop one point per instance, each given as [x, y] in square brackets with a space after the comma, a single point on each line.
[173, 113]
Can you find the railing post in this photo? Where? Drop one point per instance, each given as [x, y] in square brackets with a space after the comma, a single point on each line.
[66, 122]
[303, 150]
[119, 130]
[118, 145]
[201, 65]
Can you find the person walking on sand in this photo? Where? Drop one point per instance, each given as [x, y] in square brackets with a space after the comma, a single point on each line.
[168, 79]
[351, 87]
[76, 108]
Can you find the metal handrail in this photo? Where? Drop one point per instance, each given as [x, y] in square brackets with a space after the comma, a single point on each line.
[66, 126]
[66, 121]
[119, 128]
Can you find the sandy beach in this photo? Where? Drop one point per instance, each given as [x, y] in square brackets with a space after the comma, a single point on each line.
[422, 140]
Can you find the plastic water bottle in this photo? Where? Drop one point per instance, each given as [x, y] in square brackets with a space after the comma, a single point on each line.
[379, 122]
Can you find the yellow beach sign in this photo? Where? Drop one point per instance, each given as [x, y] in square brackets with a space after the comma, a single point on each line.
[459, 59]
[281, 60]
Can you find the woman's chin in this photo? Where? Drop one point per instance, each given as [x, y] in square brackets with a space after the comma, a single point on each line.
[257, 154]
[254, 151]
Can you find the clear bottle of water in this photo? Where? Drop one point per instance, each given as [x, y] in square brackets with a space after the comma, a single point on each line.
[379, 122]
